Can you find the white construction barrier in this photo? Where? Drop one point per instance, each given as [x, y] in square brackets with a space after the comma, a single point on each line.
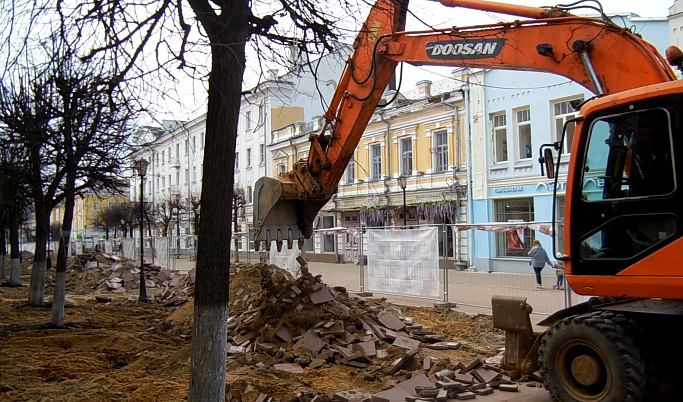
[129, 248]
[404, 262]
[162, 252]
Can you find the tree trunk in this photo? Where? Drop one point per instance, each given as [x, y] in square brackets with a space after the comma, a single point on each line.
[59, 296]
[3, 251]
[227, 34]
[36, 295]
[15, 266]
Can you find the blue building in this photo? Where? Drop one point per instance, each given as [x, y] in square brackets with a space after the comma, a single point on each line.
[520, 112]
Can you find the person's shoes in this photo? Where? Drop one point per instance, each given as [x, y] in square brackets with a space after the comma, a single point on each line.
[539, 287]
[560, 287]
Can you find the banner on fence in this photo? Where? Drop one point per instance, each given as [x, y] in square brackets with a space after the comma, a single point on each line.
[161, 248]
[404, 262]
[543, 227]
[128, 248]
[286, 259]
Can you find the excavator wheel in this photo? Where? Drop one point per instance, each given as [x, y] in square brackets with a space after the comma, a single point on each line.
[593, 357]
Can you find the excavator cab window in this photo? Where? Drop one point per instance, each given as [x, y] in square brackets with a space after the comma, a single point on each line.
[627, 188]
[629, 155]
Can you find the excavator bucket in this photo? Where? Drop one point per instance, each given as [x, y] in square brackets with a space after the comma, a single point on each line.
[279, 218]
[511, 314]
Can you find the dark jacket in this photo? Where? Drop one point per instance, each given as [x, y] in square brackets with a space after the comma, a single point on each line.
[539, 257]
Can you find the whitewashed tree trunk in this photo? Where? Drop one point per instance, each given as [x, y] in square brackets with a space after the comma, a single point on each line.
[14, 272]
[36, 295]
[58, 300]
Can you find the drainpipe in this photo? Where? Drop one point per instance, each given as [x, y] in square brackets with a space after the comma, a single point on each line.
[386, 189]
[456, 169]
[470, 208]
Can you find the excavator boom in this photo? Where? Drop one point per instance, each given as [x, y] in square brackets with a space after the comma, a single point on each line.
[592, 52]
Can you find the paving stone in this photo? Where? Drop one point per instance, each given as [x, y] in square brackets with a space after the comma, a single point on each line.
[445, 373]
[309, 341]
[382, 353]
[465, 395]
[322, 295]
[485, 375]
[399, 363]
[316, 363]
[369, 349]
[353, 395]
[289, 367]
[464, 378]
[376, 398]
[406, 343]
[508, 387]
[390, 321]
[283, 333]
[474, 364]
[399, 392]
[442, 395]
[484, 391]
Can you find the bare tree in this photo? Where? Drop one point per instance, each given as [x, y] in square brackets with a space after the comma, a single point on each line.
[194, 205]
[75, 119]
[227, 27]
[164, 212]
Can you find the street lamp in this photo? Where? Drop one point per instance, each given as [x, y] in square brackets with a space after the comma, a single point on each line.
[141, 167]
[403, 182]
[177, 221]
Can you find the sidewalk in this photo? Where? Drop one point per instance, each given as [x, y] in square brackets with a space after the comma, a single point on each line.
[471, 291]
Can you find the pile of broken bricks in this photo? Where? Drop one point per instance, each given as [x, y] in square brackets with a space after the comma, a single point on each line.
[367, 334]
[100, 271]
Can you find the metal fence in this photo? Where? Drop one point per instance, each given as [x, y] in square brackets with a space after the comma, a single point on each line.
[461, 283]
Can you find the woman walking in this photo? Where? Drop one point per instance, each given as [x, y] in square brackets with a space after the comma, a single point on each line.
[538, 260]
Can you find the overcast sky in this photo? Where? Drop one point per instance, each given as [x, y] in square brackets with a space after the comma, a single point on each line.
[438, 16]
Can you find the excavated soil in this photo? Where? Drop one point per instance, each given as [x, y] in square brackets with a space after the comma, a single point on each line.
[125, 350]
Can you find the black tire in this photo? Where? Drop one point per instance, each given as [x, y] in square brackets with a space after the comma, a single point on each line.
[603, 339]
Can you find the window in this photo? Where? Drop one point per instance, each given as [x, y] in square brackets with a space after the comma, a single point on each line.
[249, 195]
[406, 151]
[500, 139]
[514, 243]
[169, 154]
[328, 240]
[111, 204]
[523, 126]
[281, 168]
[376, 162]
[177, 179]
[261, 114]
[169, 181]
[194, 173]
[187, 146]
[96, 206]
[248, 157]
[262, 153]
[201, 140]
[194, 142]
[563, 111]
[248, 120]
[237, 160]
[163, 182]
[440, 139]
[629, 155]
[350, 174]
[177, 151]
[187, 175]
[163, 157]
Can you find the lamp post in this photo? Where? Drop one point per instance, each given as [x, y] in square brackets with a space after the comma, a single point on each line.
[177, 221]
[403, 182]
[141, 167]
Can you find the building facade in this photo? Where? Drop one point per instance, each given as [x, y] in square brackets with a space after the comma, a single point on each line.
[524, 110]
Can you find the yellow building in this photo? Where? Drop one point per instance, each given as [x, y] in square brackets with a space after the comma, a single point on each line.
[87, 208]
[420, 136]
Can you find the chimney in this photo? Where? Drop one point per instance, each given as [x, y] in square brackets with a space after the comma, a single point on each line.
[424, 88]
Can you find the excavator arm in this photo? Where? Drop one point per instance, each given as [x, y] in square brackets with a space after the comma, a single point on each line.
[592, 52]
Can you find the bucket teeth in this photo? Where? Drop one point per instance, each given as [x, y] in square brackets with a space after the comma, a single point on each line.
[301, 243]
[267, 246]
[290, 243]
[278, 244]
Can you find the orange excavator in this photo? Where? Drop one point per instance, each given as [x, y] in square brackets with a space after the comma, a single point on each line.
[621, 241]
